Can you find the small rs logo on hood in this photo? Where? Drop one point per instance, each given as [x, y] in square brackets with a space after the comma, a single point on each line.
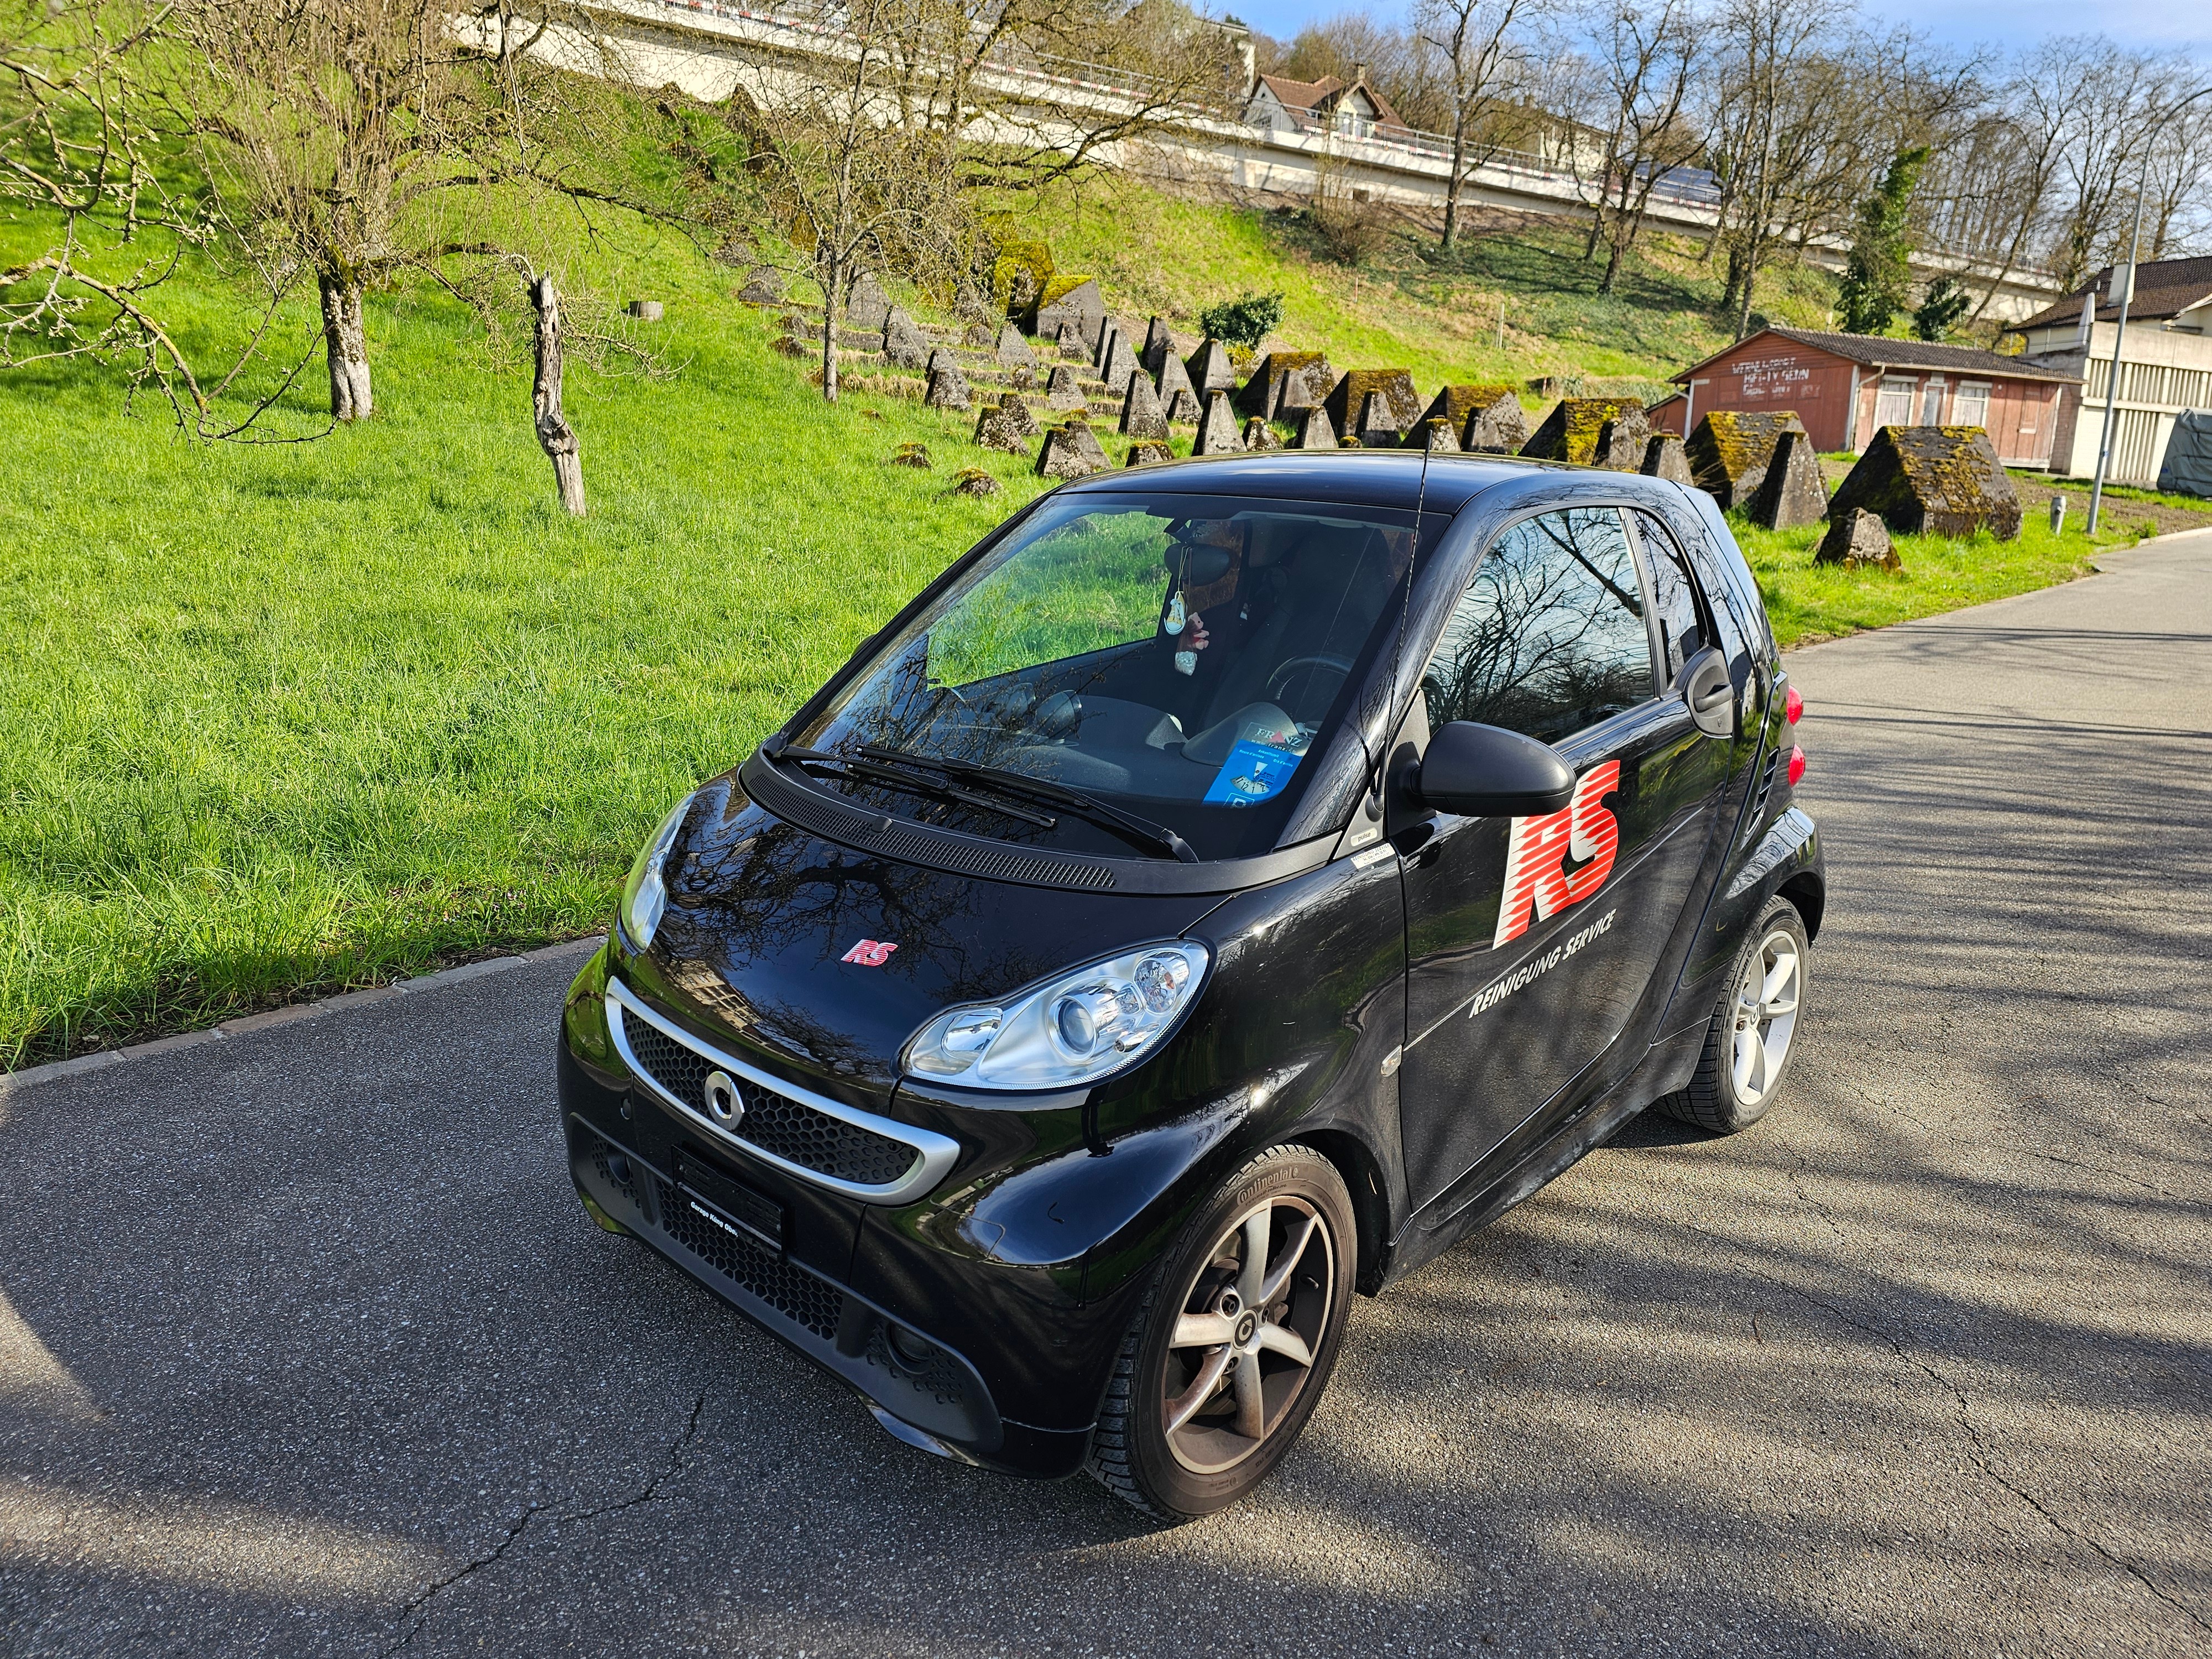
[868, 953]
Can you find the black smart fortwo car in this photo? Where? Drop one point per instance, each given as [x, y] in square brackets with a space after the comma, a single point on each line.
[1229, 884]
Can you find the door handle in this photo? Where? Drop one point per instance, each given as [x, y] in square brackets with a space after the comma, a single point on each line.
[1710, 693]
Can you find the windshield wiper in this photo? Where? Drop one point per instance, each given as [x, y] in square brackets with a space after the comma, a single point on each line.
[1144, 831]
[899, 777]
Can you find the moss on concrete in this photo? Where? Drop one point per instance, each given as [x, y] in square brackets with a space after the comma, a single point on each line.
[1728, 451]
[1932, 480]
[1569, 432]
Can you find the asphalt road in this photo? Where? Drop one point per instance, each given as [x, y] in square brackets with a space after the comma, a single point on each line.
[306, 1347]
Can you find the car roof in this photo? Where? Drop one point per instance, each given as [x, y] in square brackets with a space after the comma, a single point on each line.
[1371, 478]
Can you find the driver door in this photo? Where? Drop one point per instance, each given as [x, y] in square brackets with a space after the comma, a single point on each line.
[1531, 941]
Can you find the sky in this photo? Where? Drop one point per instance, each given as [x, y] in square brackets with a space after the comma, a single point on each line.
[2184, 26]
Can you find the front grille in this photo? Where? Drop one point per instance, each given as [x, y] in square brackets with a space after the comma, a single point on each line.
[793, 1291]
[784, 1127]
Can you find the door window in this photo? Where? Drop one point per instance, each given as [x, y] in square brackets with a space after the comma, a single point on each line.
[1931, 403]
[1674, 598]
[1550, 636]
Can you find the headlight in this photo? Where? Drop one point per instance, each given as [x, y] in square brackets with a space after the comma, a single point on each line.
[1071, 1030]
[645, 895]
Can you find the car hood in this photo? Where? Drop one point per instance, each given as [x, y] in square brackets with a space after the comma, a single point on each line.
[762, 946]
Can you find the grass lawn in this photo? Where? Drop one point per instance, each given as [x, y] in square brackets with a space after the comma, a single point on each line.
[1808, 601]
[288, 718]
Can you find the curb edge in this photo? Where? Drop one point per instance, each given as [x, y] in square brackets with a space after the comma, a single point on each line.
[16, 1082]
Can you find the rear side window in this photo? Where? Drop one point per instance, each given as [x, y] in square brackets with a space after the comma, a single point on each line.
[1673, 598]
[1549, 638]
[1729, 583]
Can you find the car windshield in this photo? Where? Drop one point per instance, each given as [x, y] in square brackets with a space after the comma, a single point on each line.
[1174, 658]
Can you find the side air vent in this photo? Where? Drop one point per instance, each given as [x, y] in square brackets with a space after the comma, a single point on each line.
[1756, 816]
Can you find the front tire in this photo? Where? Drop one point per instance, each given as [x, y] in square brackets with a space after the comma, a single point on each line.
[1229, 1355]
[1754, 1033]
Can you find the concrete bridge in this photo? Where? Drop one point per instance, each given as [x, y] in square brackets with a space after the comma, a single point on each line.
[708, 49]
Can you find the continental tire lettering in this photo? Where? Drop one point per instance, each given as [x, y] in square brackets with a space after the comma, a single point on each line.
[1537, 880]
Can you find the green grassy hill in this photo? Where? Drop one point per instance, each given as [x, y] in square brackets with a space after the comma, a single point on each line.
[1409, 309]
[289, 718]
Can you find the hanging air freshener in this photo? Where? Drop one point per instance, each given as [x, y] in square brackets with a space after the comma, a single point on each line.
[1174, 618]
[1186, 662]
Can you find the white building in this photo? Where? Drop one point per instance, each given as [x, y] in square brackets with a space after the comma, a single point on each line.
[2165, 367]
[1352, 109]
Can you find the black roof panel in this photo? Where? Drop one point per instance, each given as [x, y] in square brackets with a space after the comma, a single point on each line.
[1372, 477]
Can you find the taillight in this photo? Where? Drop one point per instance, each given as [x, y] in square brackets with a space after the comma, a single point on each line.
[1792, 706]
[1796, 764]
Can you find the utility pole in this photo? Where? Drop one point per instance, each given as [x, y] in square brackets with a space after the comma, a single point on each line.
[2120, 339]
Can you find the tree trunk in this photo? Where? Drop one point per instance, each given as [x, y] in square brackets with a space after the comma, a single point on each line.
[1612, 266]
[1743, 311]
[1733, 293]
[831, 284]
[1458, 171]
[345, 348]
[555, 435]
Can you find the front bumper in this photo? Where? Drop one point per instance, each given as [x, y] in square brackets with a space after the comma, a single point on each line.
[914, 1327]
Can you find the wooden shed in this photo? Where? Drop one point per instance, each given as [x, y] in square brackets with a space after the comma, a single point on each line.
[1847, 388]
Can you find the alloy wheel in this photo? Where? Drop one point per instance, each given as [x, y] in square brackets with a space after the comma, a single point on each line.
[1766, 1002]
[1244, 1346]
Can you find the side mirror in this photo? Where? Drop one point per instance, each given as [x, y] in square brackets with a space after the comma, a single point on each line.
[1487, 772]
[1710, 693]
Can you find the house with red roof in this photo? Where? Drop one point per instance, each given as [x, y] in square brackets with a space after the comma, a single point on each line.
[1847, 388]
[1354, 108]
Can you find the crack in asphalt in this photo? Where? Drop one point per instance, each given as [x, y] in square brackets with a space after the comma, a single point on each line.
[2099, 1169]
[413, 1610]
[1980, 1454]
[1797, 1180]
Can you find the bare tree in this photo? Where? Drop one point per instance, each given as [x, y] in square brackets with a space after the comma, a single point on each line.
[2180, 201]
[1400, 64]
[1773, 109]
[349, 141]
[1991, 188]
[1647, 51]
[881, 151]
[80, 138]
[1474, 39]
[2111, 123]
[858, 162]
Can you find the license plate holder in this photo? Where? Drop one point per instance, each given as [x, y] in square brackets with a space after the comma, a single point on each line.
[757, 1213]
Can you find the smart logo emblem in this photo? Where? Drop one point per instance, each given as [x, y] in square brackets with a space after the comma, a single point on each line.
[868, 953]
[1537, 850]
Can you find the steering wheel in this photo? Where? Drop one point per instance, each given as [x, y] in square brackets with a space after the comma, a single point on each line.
[1341, 666]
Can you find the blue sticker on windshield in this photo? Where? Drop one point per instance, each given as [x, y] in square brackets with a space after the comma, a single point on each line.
[1253, 773]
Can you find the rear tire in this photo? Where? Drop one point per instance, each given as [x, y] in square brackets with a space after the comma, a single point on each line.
[1753, 1036]
[1230, 1353]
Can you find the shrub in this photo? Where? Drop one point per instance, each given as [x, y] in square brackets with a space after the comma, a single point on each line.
[1352, 226]
[1243, 322]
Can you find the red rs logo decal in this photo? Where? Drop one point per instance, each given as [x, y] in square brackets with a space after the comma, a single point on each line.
[1537, 849]
[869, 954]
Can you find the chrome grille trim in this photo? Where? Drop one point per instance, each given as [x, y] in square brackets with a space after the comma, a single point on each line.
[934, 1154]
